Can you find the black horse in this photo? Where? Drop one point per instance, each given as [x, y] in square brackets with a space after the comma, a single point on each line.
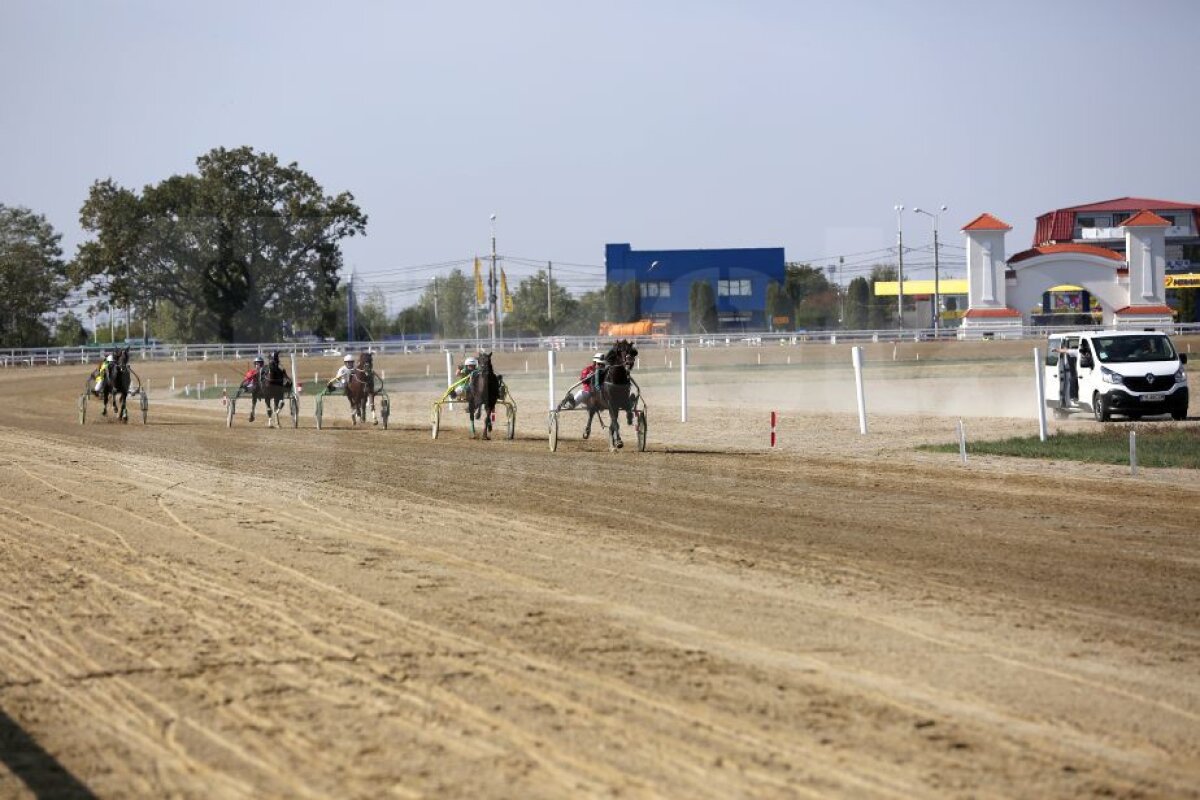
[612, 390]
[273, 386]
[483, 390]
[116, 385]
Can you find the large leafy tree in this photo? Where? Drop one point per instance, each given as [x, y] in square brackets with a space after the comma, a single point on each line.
[858, 299]
[587, 314]
[530, 314]
[236, 251]
[33, 280]
[702, 307]
[778, 305]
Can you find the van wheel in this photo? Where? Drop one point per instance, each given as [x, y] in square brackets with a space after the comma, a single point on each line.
[1179, 411]
[1100, 407]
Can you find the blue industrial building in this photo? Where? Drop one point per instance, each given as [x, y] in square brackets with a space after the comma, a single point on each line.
[739, 279]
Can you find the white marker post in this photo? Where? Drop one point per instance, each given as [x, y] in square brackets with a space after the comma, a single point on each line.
[550, 375]
[449, 369]
[683, 384]
[962, 442]
[856, 358]
[1133, 452]
[1041, 393]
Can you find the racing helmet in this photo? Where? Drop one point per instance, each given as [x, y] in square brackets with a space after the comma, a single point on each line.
[471, 362]
[349, 359]
[258, 359]
[108, 358]
[598, 358]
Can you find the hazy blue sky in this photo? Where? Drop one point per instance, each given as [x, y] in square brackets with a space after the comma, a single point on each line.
[661, 124]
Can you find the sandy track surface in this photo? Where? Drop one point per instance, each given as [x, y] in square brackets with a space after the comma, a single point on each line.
[192, 611]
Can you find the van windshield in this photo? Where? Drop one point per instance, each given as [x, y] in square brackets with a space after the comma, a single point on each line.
[1130, 349]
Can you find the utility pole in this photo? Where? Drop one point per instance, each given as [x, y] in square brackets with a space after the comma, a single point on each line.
[435, 308]
[492, 318]
[350, 308]
[549, 281]
[900, 268]
[842, 292]
[937, 293]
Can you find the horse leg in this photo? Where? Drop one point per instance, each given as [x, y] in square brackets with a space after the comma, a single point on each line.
[487, 423]
[253, 405]
[374, 419]
[615, 432]
[587, 429]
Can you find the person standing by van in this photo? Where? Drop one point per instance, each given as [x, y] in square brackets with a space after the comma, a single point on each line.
[1068, 385]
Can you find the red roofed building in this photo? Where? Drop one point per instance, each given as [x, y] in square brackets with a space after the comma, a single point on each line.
[1102, 225]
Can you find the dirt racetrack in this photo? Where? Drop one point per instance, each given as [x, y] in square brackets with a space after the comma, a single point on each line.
[188, 610]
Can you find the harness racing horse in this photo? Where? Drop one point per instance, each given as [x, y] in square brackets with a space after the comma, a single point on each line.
[272, 387]
[360, 389]
[612, 390]
[483, 390]
[116, 385]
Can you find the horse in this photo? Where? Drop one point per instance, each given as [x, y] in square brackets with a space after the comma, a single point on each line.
[360, 389]
[483, 390]
[612, 390]
[273, 387]
[116, 385]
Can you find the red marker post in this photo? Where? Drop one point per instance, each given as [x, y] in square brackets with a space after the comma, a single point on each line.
[773, 429]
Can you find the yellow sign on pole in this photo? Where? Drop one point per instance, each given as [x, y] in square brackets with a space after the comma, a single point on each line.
[479, 296]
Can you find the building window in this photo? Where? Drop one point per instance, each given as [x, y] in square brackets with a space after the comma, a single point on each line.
[737, 288]
[1119, 218]
[656, 289]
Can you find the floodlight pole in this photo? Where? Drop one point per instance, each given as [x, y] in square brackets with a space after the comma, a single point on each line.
[900, 267]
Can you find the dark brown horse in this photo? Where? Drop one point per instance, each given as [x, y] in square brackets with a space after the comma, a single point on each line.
[360, 389]
[115, 385]
[612, 390]
[483, 390]
[273, 387]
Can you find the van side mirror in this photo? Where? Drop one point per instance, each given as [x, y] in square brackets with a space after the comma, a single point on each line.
[1085, 360]
[1183, 358]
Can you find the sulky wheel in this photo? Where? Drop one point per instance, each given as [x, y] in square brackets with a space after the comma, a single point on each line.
[319, 412]
[83, 398]
[385, 410]
[511, 430]
[641, 431]
[294, 409]
[230, 411]
[144, 406]
[553, 430]
[437, 419]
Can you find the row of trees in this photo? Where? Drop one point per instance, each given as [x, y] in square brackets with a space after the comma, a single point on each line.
[244, 249]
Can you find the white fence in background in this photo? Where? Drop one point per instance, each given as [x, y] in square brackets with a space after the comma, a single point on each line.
[75, 356]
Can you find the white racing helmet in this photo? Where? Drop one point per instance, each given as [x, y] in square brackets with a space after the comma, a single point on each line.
[598, 358]
[349, 359]
[109, 358]
[471, 362]
[258, 360]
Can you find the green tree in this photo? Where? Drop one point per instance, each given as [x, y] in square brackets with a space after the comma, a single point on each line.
[237, 250]
[818, 311]
[33, 278]
[585, 318]
[702, 307]
[621, 301]
[858, 299]
[778, 304]
[881, 311]
[1185, 304]
[69, 331]
[529, 314]
[801, 280]
[372, 316]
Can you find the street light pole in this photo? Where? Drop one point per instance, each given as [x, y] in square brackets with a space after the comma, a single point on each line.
[900, 267]
[937, 292]
[492, 317]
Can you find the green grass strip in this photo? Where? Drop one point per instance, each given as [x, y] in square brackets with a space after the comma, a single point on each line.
[1156, 446]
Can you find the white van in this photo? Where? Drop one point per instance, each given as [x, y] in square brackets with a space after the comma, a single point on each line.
[1133, 373]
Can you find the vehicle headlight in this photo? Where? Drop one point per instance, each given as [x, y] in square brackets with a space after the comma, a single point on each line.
[1108, 376]
[1181, 376]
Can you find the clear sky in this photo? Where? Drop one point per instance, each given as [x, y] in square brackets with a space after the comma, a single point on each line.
[665, 124]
